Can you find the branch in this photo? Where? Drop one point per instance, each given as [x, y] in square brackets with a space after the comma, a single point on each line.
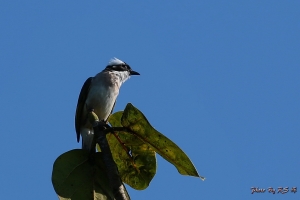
[119, 190]
[114, 129]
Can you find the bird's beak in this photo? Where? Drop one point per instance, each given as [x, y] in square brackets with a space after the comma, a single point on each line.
[134, 73]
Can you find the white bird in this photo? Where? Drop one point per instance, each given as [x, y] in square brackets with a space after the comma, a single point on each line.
[99, 94]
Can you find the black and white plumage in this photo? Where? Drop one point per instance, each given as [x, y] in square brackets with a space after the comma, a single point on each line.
[99, 93]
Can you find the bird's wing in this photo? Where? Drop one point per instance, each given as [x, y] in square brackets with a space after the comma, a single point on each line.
[80, 105]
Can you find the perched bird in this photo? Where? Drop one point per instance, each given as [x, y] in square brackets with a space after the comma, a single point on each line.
[99, 94]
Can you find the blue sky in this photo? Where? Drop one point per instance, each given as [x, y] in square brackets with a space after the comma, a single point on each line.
[220, 79]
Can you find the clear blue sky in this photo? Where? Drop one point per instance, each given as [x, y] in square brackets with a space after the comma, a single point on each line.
[221, 79]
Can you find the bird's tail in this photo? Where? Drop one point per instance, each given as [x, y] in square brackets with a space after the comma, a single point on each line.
[87, 138]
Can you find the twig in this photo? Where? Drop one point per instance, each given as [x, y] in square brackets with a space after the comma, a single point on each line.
[119, 190]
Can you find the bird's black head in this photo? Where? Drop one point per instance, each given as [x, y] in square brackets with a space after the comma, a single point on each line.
[117, 65]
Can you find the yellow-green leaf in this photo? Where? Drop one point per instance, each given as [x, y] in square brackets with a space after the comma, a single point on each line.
[136, 160]
[134, 120]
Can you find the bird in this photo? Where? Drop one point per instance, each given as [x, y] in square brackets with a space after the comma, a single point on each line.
[99, 94]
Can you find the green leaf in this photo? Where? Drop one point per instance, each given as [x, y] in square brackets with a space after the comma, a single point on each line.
[136, 161]
[134, 120]
[115, 119]
[75, 177]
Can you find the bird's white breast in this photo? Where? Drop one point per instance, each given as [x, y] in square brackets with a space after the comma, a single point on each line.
[101, 98]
